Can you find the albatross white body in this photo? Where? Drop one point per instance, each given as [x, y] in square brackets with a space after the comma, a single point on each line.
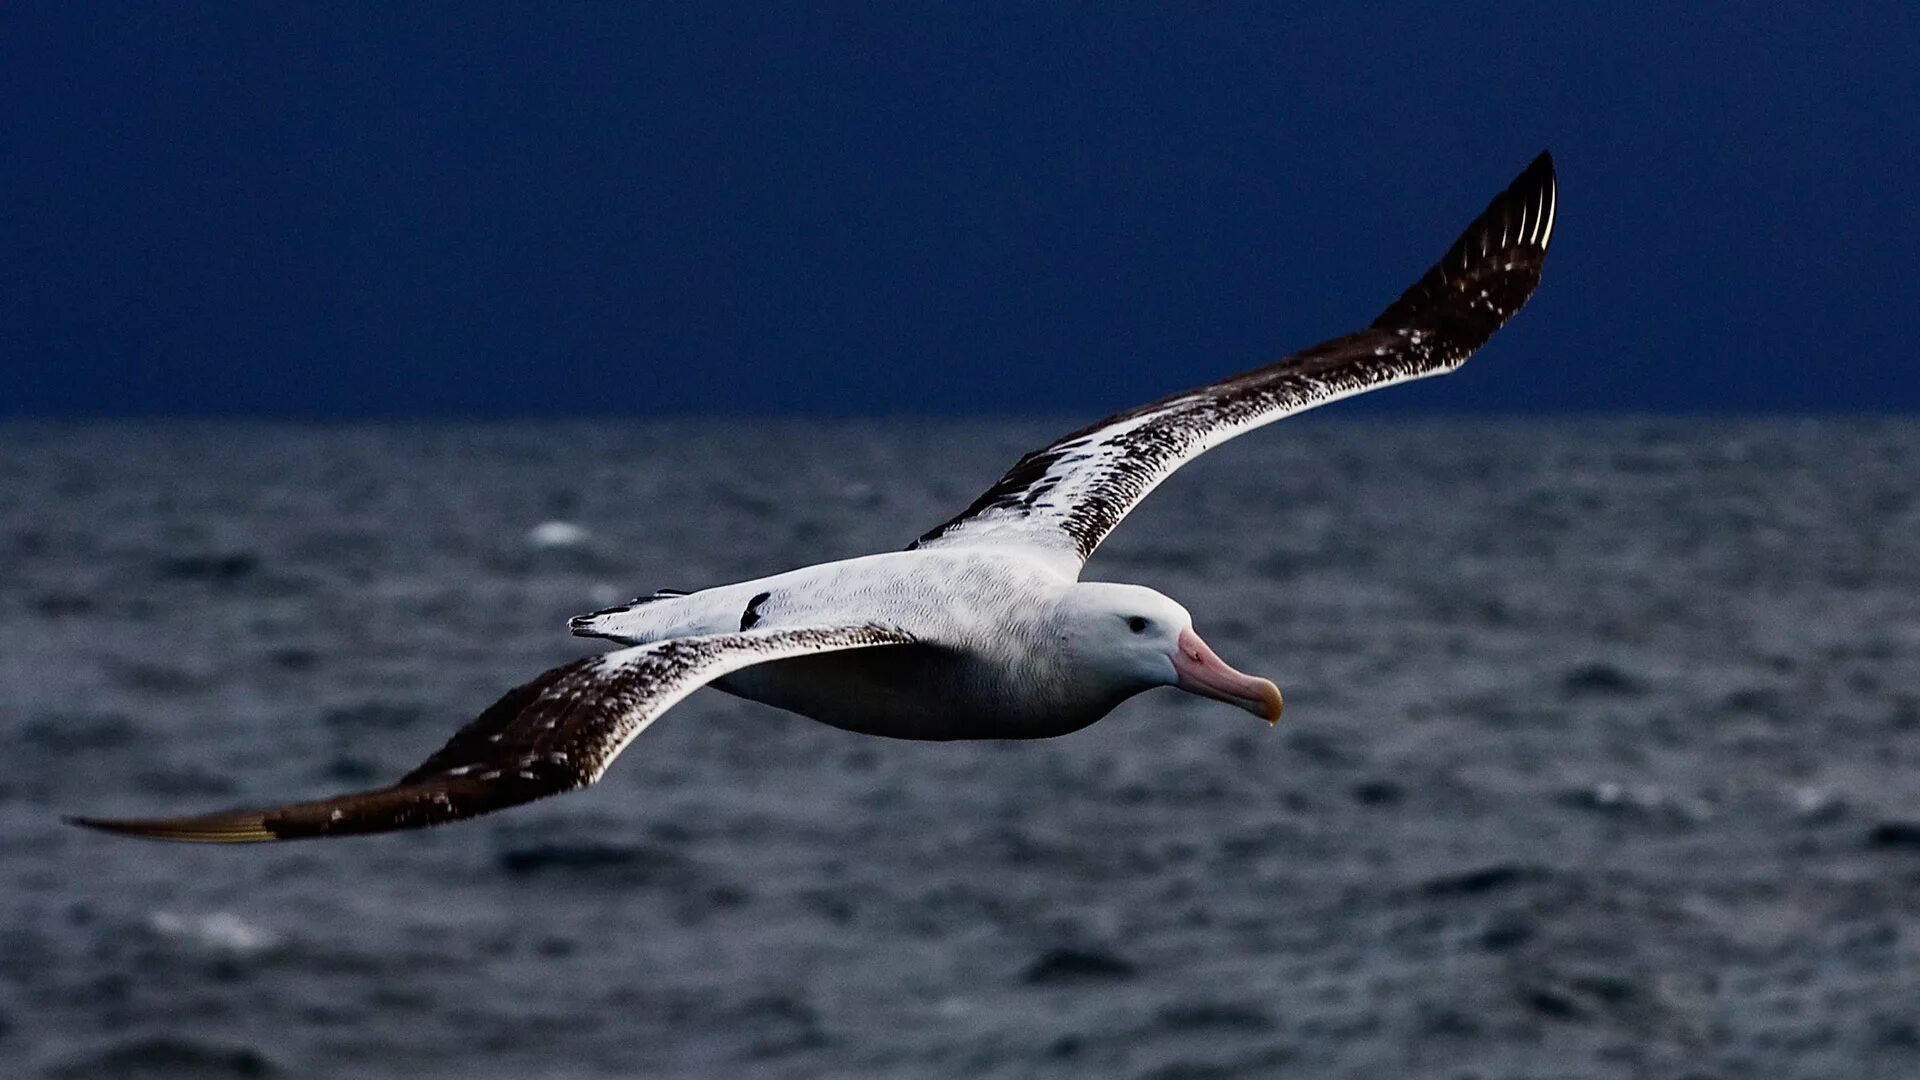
[995, 655]
[981, 629]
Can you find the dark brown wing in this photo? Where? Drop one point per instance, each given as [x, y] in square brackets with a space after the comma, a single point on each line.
[555, 734]
[1065, 499]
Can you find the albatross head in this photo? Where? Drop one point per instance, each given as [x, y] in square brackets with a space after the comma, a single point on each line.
[1133, 638]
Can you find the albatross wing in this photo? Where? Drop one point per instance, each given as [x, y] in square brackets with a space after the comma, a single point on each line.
[1065, 498]
[555, 734]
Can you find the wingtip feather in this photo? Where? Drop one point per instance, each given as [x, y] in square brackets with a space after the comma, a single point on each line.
[229, 828]
[1489, 272]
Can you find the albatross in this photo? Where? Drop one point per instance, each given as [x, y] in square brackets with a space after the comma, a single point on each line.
[979, 629]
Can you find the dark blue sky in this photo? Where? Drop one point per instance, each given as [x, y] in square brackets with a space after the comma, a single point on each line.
[479, 209]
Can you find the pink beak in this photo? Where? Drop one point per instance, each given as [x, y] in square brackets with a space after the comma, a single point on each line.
[1202, 672]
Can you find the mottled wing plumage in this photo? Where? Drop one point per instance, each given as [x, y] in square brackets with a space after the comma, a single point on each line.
[555, 734]
[1067, 497]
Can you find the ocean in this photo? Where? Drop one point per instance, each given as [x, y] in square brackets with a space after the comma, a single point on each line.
[1601, 759]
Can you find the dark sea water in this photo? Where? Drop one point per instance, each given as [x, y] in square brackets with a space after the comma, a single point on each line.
[1601, 759]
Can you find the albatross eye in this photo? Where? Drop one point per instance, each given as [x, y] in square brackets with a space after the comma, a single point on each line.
[1136, 624]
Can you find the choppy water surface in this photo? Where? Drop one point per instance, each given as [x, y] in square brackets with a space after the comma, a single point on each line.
[1602, 759]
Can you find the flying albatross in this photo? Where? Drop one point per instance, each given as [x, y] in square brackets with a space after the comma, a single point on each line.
[980, 629]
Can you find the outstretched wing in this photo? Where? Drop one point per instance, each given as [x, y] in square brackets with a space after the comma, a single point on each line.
[555, 734]
[1067, 497]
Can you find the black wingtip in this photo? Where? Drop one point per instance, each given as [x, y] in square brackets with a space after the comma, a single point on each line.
[237, 827]
[1490, 271]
